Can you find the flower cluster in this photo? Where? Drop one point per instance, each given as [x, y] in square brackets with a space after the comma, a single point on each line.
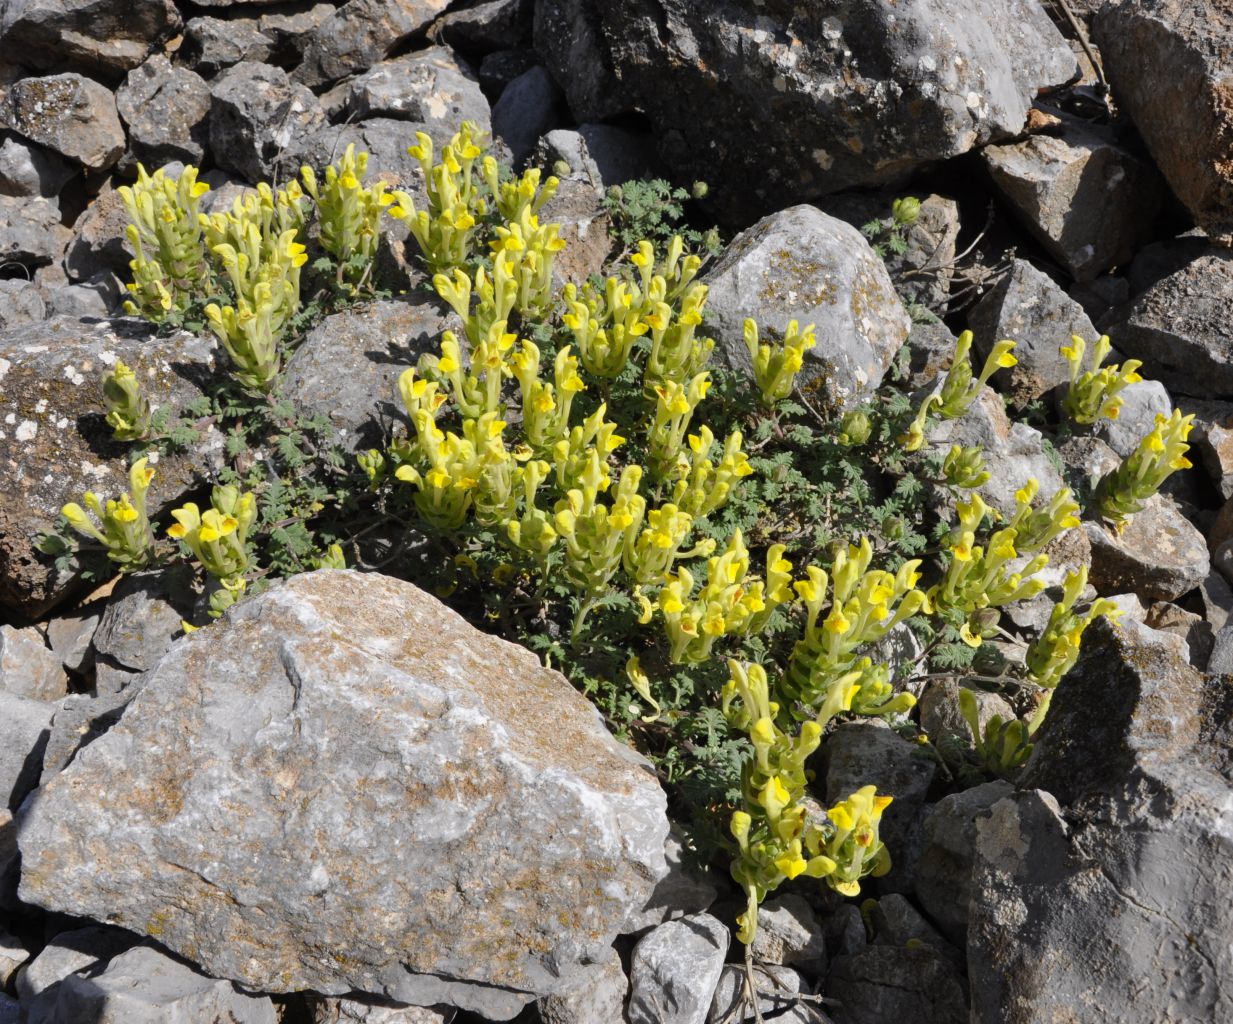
[1093, 393]
[1160, 453]
[218, 540]
[125, 531]
[349, 213]
[128, 410]
[776, 365]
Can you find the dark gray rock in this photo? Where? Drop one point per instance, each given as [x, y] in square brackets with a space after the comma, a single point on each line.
[143, 616]
[28, 667]
[497, 70]
[359, 34]
[24, 728]
[143, 986]
[896, 922]
[790, 935]
[1158, 553]
[288, 30]
[213, 44]
[103, 38]
[27, 169]
[1213, 437]
[74, 116]
[778, 989]
[931, 347]
[485, 26]
[30, 231]
[1191, 628]
[940, 716]
[1168, 62]
[58, 445]
[20, 303]
[96, 298]
[675, 971]
[885, 983]
[1220, 661]
[530, 106]
[1182, 328]
[376, 342]
[71, 635]
[12, 955]
[256, 115]
[600, 155]
[802, 265]
[1027, 307]
[99, 243]
[477, 843]
[430, 87]
[842, 96]
[384, 139]
[165, 109]
[597, 996]
[585, 228]
[1089, 202]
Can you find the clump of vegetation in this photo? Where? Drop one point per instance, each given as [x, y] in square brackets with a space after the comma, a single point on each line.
[715, 563]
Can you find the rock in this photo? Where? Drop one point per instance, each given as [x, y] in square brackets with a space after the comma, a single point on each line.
[871, 753]
[72, 115]
[884, 983]
[530, 106]
[485, 806]
[165, 109]
[57, 445]
[27, 667]
[27, 169]
[842, 97]
[1118, 879]
[99, 37]
[1168, 63]
[802, 265]
[600, 996]
[790, 935]
[326, 1010]
[384, 139]
[142, 986]
[143, 616]
[1087, 459]
[1014, 452]
[256, 114]
[1197, 633]
[1220, 661]
[430, 87]
[359, 34]
[943, 882]
[485, 26]
[99, 242]
[24, 726]
[845, 931]
[30, 231]
[599, 154]
[675, 971]
[12, 955]
[497, 70]
[1089, 202]
[20, 303]
[778, 988]
[585, 229]
[1100, 296]
[897, 923]
[1141, 403]
[376, 342]
[1217, 597]
[97, 297]
[1222, 560]
[1029, 308]
[1158, 553]
[1214, 442]
[81, 950]
[931, 348]
[681, 891]
[940, 716]
[1181, 328]
[79, 721]
[212, 45]
[288, 30]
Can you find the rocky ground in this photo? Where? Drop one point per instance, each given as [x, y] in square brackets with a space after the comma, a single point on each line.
[344, 803]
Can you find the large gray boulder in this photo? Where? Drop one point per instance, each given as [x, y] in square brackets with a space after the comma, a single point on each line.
[213, 44]
[803, 265]
[359, 34]
[57, 444]
[841, 94]
[165, 108]
[1114, 871]
[72, 115]
[430, 86]
[1168, 61]
[477, 840]
[103, 38]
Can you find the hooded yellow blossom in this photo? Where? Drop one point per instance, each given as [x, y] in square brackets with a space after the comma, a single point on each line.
[124, 530]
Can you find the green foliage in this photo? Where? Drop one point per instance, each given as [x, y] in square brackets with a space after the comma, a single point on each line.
[653, 210]
[128, 410]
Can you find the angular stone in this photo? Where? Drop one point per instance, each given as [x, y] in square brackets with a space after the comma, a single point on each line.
[288, 30]
[843, 96]
[802, 265]
[675, 971]
[585, 229]
[103, 38]
[530, 106]
[487, 25]
[430, 86]
[884, 983]
[28, 668]
[327, 1010]
[165, 108]
[97, 298]
[683, 890]
[599, 154]
[30, 231]
[1182, 328]
[143, 616]
[376, 342]
[79, 720]
[257, 113]
[599, 996]
[940, 716]
[99, 242]
[83, 949]
[896, 922]
[497, 70]
[790, 935]
[56, 444]
[1168, 62]
[20, 303]
[359, 34]
[1027, 307]
[1142, 402]
[1089, 202]
[384, 139]
[1194, 630]
[12, 955]
[1217, 597]
[24, 728]
[72, 115]
[142, 986]
[478, 838]
[1158, 553]
[778, 988]
[27, 169]
[212, 45]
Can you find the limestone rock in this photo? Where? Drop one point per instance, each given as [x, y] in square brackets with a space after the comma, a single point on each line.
[896, 922]
[429, 86]
[802, 265]
[683, 890]
[165, 108]
[328, 1010]
[789, 934]
[599, 154]
[1142, 402]
[30, 231]
[1158, 553]
[940, 715]
[585, 229]
[359, 34]
[530, 106]
[74, 116]
[20, 303]
[478, 838]
[56, 445]
[99, 242]
[884, 983]
[778, 988]
[12, 955]
[598, 996]
[28, 668]
[675, 971]
[27, 169]
[486, 25]
[24, 729]
[83, 949]
[842, 95]
[143, 616]
[212, 44]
